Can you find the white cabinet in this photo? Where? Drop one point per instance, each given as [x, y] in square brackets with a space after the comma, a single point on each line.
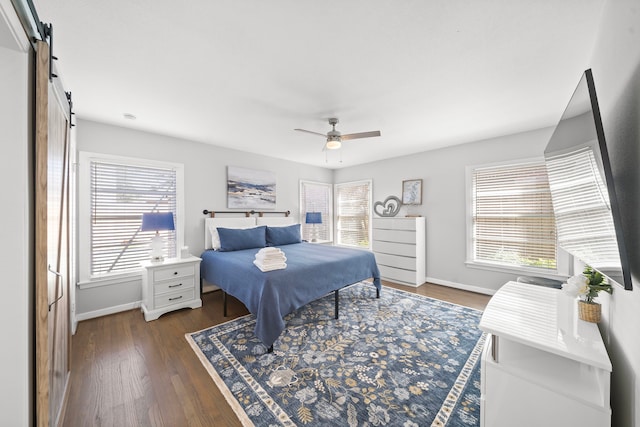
[539, 369]
[170, 285]
[399, 247]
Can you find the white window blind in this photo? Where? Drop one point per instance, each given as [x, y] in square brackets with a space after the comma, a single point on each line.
[120, 194]
[353, 213]
[513, 219]
[316, 197]
[584, 222]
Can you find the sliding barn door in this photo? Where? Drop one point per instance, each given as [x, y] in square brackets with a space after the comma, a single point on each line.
[52, 255]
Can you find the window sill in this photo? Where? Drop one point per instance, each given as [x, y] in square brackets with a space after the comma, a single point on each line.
[520, 271]
[95, 282]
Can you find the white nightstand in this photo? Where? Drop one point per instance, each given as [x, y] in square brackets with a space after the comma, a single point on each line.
[170, 285]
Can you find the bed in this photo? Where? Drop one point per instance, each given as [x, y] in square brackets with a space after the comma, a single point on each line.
[312, 271]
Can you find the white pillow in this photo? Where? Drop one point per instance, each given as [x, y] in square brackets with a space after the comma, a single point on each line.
[275, 221]
[212, 239]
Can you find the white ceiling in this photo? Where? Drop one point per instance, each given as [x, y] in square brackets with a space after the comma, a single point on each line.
[243, 74]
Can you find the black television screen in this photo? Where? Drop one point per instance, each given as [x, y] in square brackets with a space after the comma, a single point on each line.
[582, 187]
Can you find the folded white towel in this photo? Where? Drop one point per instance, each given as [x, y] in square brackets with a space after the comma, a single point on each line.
[265, 268]
[270, 253]
[279, 257]
[269, 250]
[270, 261]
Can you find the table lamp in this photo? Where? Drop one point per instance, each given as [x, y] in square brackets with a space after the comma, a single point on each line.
[313, 218]
[157, 221]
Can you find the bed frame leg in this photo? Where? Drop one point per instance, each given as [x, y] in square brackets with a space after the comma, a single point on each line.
[337, 300]
[270, 349]
[377, 293]
[224, 303]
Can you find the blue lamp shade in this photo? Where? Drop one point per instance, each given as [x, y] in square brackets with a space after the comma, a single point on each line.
[313, 218]
[156, 221]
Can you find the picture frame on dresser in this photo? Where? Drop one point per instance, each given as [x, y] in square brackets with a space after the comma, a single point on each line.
[412, 192]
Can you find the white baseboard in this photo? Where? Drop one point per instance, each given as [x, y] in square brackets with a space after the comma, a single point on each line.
[109, 310]
[471, 288]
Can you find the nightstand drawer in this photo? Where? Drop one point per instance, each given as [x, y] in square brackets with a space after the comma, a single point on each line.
[170, 285]
[174, 285]
[173, 298]
[173, 272]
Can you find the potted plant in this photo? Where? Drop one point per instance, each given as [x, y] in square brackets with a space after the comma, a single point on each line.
[587, 286]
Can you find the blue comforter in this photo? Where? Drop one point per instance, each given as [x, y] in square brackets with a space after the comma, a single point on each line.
[312, 271]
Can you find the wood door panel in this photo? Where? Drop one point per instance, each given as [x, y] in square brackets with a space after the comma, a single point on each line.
[52, 263]
[41, 244]
[58, 253]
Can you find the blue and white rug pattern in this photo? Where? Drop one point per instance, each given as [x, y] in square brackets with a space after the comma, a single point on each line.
[401, 360]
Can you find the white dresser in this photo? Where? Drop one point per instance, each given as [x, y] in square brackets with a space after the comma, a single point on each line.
[399, 247]
[541, 365]
[170, 285]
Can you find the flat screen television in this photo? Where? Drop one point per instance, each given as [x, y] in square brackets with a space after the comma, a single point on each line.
[582, 188]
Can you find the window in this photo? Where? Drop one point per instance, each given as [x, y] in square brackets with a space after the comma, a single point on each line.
[353, 213]
[316, 197]
[512, 217]
[114, 193]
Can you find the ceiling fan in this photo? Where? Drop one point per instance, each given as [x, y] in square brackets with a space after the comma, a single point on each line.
[335, 138]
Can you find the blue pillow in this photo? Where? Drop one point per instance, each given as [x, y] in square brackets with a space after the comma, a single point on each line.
[235, 239]
[277, 236]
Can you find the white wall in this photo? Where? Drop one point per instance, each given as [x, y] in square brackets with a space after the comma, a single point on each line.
[444, 200]
[16, 234]
[616, 73]
[205, 177]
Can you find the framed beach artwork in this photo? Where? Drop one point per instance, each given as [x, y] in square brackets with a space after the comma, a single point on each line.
[412, 192]
[250, 188]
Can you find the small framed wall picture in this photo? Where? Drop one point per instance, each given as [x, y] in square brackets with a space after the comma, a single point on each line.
[412, 192]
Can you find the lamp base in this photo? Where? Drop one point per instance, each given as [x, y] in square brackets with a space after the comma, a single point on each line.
[156, 248]
[314, 233]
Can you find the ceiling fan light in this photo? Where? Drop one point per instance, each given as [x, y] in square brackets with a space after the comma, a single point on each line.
[333, 144]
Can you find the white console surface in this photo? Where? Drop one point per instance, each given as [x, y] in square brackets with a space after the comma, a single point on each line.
[539, 351]
[529, 315]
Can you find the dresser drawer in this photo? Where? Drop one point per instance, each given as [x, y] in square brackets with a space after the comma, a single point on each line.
[173, 298]
[398, 236]
[404, 262]
[400, 275]
[402, 249]
[172, 272]
[395, 224]
[174, 285]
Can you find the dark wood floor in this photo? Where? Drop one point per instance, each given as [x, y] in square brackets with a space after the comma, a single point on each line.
[128, 372]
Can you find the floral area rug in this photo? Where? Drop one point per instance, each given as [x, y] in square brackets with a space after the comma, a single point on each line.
[401, 360]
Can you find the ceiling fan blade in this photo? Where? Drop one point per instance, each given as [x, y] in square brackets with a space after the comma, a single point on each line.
[360, 135]
[315, 133]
